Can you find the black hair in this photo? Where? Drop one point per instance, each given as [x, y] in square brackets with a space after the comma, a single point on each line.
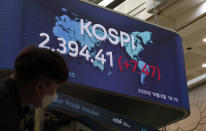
[33, 63]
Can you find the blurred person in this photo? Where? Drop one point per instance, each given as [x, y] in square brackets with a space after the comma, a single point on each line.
[37, 75]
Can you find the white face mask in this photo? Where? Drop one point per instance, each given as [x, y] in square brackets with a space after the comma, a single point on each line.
[47, 99]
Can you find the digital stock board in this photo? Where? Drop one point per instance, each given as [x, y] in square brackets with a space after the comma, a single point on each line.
[106, 52]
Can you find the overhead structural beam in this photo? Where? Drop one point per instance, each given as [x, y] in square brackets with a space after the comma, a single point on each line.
[196, 81]
[95, 1]
[114, 4]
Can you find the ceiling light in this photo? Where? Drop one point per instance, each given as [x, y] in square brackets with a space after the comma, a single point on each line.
[204, 65]
[204, 40]
[105, 2]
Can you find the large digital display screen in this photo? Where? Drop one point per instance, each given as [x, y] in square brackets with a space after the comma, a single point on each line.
[103, 49]
[67, 103]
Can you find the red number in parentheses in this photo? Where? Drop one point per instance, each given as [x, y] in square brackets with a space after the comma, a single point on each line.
[143, 70]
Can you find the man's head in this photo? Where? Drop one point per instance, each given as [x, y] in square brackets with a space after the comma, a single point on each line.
[39, 72]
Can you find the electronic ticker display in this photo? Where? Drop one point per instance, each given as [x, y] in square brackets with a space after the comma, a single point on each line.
[67, 103]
